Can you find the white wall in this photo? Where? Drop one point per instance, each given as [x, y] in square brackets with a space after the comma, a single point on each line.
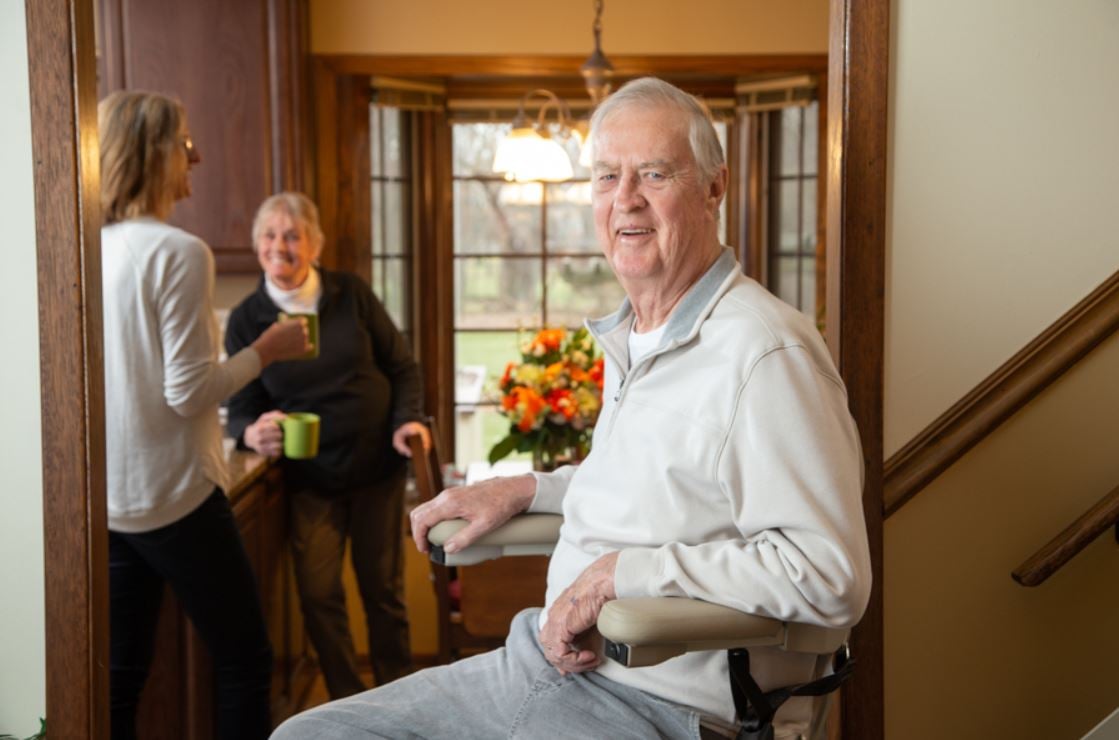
[1004, 177]
[628, 27]
[22, 648]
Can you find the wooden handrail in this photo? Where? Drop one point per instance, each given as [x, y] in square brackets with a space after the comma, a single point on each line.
[1001, 394]
[1062, 548]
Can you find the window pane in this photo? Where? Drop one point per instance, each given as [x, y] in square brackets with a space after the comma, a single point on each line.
[789, 223]
[811, 124]
[785, 284]
[496, 293]
[808, 287]
[477, 429]
[570, 218]
[397, 220]
[480, 359]
[377, 226]
[580, 288]
[377, 278]
[375, 141]
[484, 224]
[473, 146]
[790, 140]
[396, 291]
[394, 142]
[808, 218]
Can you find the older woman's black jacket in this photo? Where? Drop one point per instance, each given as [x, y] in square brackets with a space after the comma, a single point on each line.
[364, 384]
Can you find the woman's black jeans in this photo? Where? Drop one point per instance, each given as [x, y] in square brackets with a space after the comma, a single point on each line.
[203, 558]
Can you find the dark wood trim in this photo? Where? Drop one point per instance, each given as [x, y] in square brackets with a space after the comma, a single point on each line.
[465, 66]
[1001, 394]
[433, 275]
[1048, 560]
[858, 82]
[63, 83]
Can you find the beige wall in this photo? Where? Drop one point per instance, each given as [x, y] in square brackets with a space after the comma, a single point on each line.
[1004, 169]
[1004, 173]
[22, 645]
[629, 27]
[969, 652]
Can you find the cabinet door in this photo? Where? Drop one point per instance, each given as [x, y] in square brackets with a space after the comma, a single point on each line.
[238, 67]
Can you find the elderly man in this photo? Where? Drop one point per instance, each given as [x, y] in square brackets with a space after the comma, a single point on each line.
[725, 467]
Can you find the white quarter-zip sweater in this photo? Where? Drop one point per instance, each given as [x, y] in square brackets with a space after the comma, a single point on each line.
[725, 467]
[163, 381]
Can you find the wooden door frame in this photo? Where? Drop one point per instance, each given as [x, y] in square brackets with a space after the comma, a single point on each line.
[856, 226]
[63, 86]
[63, 91]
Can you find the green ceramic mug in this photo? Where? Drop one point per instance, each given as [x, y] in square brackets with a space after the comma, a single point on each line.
[301, 435]
[312, 320]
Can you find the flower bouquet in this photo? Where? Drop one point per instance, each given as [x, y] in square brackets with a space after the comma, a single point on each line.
[552, 398]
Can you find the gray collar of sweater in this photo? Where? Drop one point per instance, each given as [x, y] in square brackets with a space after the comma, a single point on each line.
[683, 323]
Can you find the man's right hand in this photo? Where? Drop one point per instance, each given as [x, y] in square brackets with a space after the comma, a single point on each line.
[264, 435]
[484, 506]
[284, 340]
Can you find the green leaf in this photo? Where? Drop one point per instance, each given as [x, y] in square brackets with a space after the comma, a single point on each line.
[503, 448]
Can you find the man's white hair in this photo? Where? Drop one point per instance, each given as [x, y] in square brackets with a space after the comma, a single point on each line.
[651, 92]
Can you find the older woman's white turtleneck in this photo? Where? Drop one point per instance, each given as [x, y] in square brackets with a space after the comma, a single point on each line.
[304, 299]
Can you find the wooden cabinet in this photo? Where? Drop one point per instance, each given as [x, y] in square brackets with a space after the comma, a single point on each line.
[239, 68]
[177, 703]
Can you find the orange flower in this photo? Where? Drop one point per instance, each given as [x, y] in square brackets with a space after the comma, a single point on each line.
[508, 373]
[562, 403]
[551, 339]
[529, 403]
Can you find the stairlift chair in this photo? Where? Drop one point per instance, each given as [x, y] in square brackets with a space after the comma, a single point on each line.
[647, 631]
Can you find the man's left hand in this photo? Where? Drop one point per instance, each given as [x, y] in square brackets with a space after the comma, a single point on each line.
[573, 616]
[407, 429]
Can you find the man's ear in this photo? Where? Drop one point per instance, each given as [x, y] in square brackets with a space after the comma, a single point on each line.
[717, 189]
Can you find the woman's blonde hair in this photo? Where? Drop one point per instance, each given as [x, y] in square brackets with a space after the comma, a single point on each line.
[300, 209]
[139, 132]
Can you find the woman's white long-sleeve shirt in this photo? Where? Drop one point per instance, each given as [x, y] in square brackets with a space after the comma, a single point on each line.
[163, 381]
[725, 467]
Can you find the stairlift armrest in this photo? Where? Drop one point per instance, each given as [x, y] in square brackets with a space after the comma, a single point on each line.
[646, 631]
[524, 534]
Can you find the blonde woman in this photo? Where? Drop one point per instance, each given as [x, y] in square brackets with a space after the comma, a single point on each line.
[169, 519]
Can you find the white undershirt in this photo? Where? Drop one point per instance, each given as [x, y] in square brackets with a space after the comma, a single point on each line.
[304, 299]
[642, 344]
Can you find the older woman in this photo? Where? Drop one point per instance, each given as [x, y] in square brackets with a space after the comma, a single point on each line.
[169, 520]
[365, 386]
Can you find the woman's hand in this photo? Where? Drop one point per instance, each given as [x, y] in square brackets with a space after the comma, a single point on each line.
[265, 436]
[284, 340]
[406, 430]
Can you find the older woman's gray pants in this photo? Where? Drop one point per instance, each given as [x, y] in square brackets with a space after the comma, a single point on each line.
[512, 692]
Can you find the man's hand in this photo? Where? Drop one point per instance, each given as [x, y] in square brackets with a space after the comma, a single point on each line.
[407, 429]
[484, 505]
[264, 435]
[567, 635]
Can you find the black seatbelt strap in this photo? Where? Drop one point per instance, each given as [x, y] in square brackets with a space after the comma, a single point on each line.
[756, 708]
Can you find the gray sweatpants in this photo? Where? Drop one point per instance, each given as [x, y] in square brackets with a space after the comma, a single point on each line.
[511, 692]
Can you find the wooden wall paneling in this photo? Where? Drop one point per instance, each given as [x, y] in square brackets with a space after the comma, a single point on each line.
[239, 68]
[856, 227]
[344, 170]
[213, 56]
[60, 43]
